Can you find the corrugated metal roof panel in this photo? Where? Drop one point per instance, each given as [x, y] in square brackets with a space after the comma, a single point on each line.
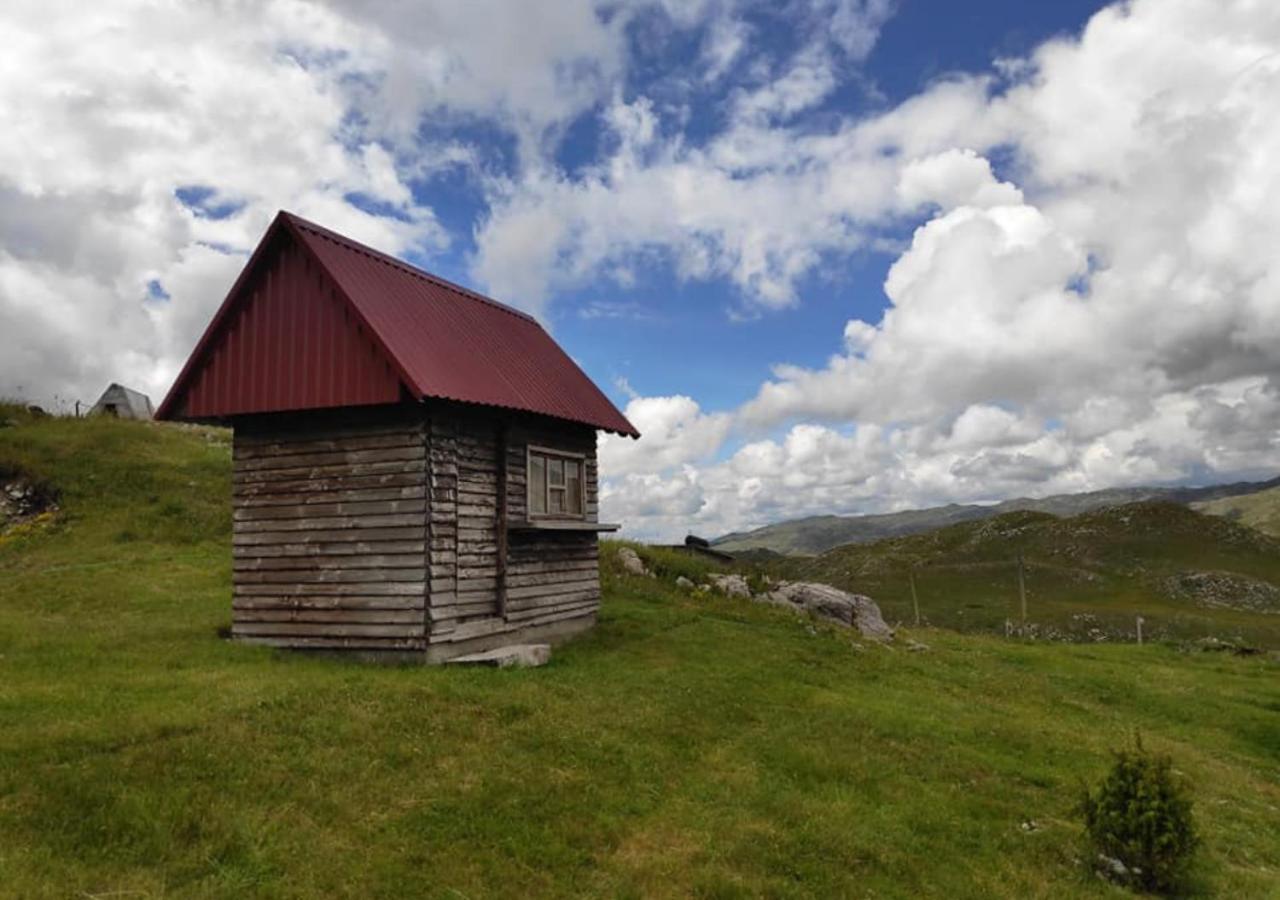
[442, 340]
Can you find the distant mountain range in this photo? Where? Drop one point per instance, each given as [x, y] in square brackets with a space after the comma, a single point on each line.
[817, 534]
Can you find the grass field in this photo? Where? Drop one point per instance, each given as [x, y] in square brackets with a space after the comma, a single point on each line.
[686, 747]
[1097, 572]
[1260, 510]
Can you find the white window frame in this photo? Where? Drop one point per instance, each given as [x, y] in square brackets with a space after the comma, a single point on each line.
[548, 454]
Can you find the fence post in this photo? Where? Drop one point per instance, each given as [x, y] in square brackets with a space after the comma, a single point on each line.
[915, 601]
[1022, 589]
[1140, 631]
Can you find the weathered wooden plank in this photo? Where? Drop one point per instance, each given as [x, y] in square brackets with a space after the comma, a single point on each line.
[302, 487]
[329, 602]
[334, 616]
[522, 615]
[349, 562]
[246, 448]
[543, 590]
[461, 610]
[321, 498]
[333, 535]
[327, 629]
[331, 458]
[326, 549]
[315, 510]
[329, 575]
[529, 580]
[580, 596]
[365, 589]
[493, 625]
[239, 479]
[327, 523]
[465, 585]
[474, 571]
[398, 645]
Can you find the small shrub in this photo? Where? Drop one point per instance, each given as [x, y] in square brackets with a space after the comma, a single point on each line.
[1141, 816]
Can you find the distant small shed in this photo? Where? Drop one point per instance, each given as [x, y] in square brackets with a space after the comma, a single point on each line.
[122, 402]
[414, 464]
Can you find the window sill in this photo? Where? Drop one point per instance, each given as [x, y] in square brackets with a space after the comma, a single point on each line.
[561, 525]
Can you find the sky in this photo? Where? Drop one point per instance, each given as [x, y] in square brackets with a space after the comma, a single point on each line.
[829, 256]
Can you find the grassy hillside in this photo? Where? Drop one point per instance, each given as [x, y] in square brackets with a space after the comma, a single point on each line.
[686, 747]
[1260, 510]
[1188, 574]
[818, 534]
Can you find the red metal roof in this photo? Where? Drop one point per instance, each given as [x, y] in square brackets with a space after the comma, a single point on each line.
[434, 337]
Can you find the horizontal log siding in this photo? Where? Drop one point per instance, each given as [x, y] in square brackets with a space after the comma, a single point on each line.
[550, 577]
[330, 531]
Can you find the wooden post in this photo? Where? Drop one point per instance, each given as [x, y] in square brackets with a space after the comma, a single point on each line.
[915, 601]
[1022, 588]
[501, 566]
[1139, 631]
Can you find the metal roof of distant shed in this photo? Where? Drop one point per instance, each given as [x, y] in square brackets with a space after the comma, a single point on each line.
[304, 284]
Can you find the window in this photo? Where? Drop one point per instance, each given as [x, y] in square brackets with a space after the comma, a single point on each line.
[557, 484]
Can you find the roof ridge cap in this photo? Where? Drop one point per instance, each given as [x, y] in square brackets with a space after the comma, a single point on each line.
[408, 268]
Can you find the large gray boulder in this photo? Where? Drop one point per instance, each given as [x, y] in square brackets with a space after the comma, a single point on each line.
[854, 610]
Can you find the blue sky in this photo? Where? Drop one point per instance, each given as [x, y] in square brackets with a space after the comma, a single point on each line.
[665, 335]
[831, 256]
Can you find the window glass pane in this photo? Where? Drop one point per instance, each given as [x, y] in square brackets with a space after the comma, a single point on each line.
[557, 500]
[573, 484]
[537, 484]
[555, 472]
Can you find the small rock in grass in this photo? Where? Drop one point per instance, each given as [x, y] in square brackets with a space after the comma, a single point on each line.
[916, 646]
[1112, 866]
[684, 583]
[732, 585]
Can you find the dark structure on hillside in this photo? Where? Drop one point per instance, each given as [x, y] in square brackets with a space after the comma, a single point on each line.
[696, 546]
[122, 402]
[414, 464]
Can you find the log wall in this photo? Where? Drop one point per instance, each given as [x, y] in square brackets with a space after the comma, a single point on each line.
[550, 579]
[330, 528]
[383, 530]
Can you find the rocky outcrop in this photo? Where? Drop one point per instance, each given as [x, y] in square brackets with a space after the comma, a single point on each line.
[1224, 590]
[854, 610]
[732, 585]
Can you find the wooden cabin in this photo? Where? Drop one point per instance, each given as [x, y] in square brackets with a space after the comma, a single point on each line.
[414, 464]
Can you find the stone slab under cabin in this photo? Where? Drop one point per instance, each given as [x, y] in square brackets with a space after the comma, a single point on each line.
[419, 483]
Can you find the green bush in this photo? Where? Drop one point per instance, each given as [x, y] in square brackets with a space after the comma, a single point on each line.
[1141, 817]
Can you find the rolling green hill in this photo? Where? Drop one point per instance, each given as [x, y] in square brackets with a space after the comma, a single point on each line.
[1260, 510]
[686, 747]
[818, 534]
[1190, 575]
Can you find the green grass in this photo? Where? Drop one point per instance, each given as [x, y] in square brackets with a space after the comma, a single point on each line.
[1260, 510]
[1098, 570]
[686, 747]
